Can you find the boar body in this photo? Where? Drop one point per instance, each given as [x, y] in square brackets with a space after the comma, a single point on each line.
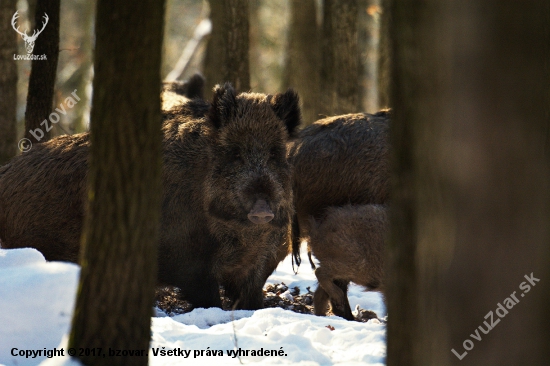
[337, 161]
[227, 202]
[349, 244]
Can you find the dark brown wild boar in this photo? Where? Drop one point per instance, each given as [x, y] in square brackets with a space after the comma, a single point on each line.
[178, 92]
[337, 161]
[349, 244]
[227, 203]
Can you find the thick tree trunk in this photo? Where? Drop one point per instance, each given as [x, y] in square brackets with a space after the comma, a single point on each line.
[120, 238]
[500, 89]
[421, 228]
[302, 72]
[8, 82]
[471, 198]
[227, 56]
[42, 79]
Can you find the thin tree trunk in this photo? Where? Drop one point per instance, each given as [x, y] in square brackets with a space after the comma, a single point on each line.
[42, 79]
[227, 58]
[471, 198]
[384, 56]
[368, 34]
[326, 74]
[346, 63]
[340, 69]
[120, 237]
[8, 82]
[256, 66]
[302, 72]
[84, 77]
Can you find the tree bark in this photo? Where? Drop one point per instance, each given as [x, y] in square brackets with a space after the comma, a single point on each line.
[84, 73]
[341, 69]
[368, 34]
[43, 72]
[227, 58]
[121, 230]
[384, 57]
[421, 227]
[327, 61]
[501, 82]
[346, 63]
[302, 72]
[8, 82]
[471, 197]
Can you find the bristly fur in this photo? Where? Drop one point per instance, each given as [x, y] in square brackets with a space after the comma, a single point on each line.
[337, 161]
[219, 159]
[349, 244]
[287, 108]
[223, 105]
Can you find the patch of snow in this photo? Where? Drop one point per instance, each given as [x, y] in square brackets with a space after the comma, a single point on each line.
[37, 298]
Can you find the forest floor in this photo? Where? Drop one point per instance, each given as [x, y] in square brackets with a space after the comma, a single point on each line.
[275, 296]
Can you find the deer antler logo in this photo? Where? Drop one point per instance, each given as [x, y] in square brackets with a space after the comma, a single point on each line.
[29, 40]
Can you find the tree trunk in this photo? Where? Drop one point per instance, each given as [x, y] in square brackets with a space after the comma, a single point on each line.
[302, 72]
[120, 236]
[500, 94]
[368, 34]
[42, 79]
[421, 227]
[227, 58]
[340, 69]
[8, 82]
[384, 57]
[346, 63]
[326, 74]
[471, 198]
[256, 66]
[84, 73]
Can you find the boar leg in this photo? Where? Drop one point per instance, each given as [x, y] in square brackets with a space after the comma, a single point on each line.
[246, 294]
[320, 301]
[343, 285]
[202, 291]
[337, 291]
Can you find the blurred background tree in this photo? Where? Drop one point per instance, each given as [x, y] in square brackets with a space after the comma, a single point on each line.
[286, 43]
[8, 83]
[471, 198]
[43, 74]
[302, 56]
[227, 57]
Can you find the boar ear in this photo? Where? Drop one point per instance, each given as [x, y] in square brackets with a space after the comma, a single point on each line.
[287, 107]
[223, 105]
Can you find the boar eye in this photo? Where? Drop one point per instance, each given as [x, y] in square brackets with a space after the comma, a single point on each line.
[273, 153]
[235, 155]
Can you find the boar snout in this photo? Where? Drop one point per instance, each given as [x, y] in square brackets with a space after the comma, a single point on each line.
[260, 213]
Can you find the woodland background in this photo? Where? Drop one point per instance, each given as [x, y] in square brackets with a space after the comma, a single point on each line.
[468, 84]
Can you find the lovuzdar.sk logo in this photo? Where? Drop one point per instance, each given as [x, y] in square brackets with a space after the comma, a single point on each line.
[29, 40]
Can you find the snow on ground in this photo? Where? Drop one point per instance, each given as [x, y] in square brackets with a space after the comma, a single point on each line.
[37, 297]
